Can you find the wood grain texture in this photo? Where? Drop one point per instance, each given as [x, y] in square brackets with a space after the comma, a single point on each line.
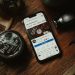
[29, 65]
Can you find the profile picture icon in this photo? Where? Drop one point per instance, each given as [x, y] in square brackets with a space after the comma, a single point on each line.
[39, 31]
[34, 41]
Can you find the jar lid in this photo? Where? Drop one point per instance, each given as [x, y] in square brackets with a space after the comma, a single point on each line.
[11, 44]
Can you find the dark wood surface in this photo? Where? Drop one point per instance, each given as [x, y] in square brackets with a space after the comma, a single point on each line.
[28, 65]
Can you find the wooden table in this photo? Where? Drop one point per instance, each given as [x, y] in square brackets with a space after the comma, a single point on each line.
[29, 64]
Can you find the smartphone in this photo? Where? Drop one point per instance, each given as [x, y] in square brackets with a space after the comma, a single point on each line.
[41, 36]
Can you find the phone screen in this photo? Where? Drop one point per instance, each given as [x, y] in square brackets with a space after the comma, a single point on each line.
[41, 36]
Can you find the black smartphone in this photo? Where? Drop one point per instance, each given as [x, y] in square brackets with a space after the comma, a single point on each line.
[41, 36]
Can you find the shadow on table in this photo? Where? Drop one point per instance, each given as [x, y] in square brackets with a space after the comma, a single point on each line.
[21, 62]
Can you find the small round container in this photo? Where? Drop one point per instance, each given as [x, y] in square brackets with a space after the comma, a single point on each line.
[11, 44]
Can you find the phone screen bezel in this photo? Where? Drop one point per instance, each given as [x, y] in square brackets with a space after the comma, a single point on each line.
[52, 34]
